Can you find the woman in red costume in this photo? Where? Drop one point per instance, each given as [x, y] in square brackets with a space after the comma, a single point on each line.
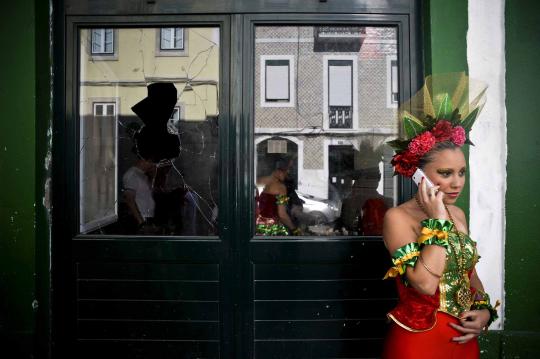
[442, 306]
[272, 217]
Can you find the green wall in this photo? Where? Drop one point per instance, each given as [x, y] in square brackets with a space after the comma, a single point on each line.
[24, 226]
[445, 25]
[521, 337]
[17, 179]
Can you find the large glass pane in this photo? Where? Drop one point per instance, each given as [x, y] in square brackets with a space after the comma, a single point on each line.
[148, 128]
[322, 166]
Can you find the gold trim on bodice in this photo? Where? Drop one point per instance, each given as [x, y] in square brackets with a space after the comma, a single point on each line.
[450, 279]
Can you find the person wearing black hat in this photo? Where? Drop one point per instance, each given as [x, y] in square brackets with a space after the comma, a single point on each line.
[153, 144]
[153, 141]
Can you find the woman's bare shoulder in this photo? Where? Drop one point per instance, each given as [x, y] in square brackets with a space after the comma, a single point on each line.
[456, 211]
[460, 217]
[400, 213]
[395, 214]
[398, 228]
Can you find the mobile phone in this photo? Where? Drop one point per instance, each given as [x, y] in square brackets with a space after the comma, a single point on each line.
[417, 177]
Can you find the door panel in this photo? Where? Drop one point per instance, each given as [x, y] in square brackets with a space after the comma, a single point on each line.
[131, 291]
[137, 297]
[321, 294]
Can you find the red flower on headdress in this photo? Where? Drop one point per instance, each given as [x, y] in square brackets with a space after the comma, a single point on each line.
[458, 135]
[422, 144]
[405, 163]
[442, 131]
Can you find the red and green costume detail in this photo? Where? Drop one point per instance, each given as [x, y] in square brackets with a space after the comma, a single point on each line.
[267, 222]
[421, 317]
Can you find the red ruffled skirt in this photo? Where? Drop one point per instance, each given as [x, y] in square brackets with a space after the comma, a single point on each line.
[435, 343]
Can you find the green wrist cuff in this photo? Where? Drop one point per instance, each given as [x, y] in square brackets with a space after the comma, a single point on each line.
[438, 224]
[482, 301]
[435, 232]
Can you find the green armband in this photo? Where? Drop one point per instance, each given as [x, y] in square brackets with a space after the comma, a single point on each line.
[282, 199]
[404, 256]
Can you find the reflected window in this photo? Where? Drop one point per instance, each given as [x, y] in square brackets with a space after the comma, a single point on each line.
[277, 81]
[104, 109]
[392, 82]
[340, 93]
[148, 144]
[174, 122]
[322, 167]
[98, 189]
[102, 41]
[172, 38]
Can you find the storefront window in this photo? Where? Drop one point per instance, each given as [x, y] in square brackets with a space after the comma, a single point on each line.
[148, 154]
[325, 104]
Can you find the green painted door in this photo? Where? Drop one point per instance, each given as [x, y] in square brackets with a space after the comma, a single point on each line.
[164, 199]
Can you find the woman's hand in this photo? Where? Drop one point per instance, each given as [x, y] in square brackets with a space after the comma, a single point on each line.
[431, 200]
[472, 324]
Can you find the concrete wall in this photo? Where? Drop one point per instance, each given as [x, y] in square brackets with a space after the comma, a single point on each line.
[487, 159]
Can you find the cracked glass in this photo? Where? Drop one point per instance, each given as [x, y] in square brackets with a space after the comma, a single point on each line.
[325, 102]
[148, 131]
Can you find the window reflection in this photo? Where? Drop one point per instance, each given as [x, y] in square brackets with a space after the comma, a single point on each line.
[320, 127]
[135, 177]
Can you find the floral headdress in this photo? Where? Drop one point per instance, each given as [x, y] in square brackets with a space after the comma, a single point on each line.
[443, 110]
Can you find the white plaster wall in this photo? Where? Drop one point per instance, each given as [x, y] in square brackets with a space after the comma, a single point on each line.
[487, 160]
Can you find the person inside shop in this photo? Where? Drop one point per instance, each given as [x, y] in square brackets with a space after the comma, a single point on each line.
[272, 217]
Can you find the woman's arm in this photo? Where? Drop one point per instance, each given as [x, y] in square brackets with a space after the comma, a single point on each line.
[425, 275]
[476, 282]
[284, 217]
[282, 210]
[133, 209]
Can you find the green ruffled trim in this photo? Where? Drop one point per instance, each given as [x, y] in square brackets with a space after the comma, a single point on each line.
[440, 224]
[406, 255]
[485, 303]
[272, 230]
[406, 251]
[282, 199]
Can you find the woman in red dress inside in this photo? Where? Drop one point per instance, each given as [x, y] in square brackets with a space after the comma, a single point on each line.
[272, 217]
[442, 306]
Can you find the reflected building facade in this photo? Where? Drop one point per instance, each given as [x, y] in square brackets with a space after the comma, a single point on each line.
[327, 97]
[116, 65]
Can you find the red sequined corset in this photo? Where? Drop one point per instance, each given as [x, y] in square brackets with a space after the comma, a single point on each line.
[267, 205]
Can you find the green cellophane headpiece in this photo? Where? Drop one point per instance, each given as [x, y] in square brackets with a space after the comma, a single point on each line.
[444, 109]
[453, 97]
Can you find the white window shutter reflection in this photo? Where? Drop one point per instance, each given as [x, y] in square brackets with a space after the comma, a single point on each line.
[340, 85]
[277, 82]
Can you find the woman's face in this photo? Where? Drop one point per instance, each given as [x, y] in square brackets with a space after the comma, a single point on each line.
[447, 170]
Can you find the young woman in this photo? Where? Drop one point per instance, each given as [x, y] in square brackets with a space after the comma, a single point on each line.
[272, 217]
[442, 306]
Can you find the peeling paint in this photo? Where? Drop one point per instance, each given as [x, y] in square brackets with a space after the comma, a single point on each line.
[487, 160]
